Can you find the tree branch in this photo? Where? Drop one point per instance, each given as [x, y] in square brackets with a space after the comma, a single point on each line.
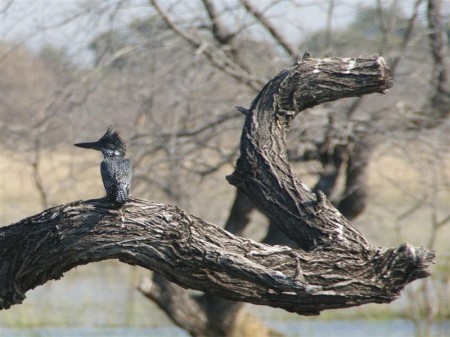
[338, 270]
[218, 29]
[217, 57]
[263, 170]
[198, 255]
[440, 100]
[277, 36]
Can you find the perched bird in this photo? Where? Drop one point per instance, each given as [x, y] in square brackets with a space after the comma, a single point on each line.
[115, 169]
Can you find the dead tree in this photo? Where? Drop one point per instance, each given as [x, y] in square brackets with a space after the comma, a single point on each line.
[335, 267]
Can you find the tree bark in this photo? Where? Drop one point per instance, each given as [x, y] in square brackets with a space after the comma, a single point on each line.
[198, 314]
[336, 269]
[263, 170]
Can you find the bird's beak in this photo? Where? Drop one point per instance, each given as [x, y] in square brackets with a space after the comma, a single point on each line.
[90, 145]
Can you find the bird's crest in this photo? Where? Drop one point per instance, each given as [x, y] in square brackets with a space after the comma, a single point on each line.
[111, 140]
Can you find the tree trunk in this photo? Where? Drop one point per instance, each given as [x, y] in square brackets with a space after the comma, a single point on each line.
[354, 198]
[336, 268]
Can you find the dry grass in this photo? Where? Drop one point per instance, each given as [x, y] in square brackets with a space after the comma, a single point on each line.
[65, 178]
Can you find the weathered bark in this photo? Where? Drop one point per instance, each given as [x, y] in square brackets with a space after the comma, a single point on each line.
[198, 314]
[338, 269]
[263, 170]
[197, 255]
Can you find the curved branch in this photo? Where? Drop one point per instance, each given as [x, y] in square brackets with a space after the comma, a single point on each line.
[339, 269]
[263, 170]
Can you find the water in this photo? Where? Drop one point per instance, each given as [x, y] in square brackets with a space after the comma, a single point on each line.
[101, 300]
[94, 332]
[295, 328]
[342, 328]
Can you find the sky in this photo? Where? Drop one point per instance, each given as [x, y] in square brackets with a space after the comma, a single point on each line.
[36, 23]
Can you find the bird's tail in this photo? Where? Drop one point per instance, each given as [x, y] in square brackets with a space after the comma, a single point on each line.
[121, 196]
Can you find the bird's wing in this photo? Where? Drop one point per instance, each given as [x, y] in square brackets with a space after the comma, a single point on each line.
[116, 172]
[124, 172]
[108, 173]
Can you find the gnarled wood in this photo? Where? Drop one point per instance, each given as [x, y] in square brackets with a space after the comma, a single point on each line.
[263, 170]
[198, 255]
[337, 268]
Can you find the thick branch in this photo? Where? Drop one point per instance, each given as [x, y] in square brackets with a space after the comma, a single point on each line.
[263, 170]
[198, 255]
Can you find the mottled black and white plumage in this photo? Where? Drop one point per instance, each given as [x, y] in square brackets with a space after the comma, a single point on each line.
[115, 169]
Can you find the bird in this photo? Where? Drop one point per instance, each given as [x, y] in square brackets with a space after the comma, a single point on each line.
[116, 171]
